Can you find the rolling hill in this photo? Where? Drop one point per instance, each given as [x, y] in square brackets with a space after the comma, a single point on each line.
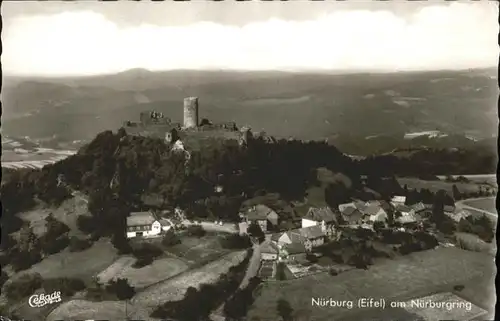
[304, 105]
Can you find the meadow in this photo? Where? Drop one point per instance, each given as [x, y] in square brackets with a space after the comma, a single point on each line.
[402, 278]
[485, 204]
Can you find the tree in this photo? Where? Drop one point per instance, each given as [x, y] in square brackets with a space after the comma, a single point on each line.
[456, 193]
[121, 288]
[284, 310]
[170, 239]
[28, 240]
[438, 206]
[255, 231]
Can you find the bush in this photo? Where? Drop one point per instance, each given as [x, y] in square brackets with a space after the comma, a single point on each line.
[77, 245]
[142, 262]
[170, 239]
[145, 254]
[196, 230]
[311, 258]
[3, 278]
[53, 246]
[235, 241]
[121, 288]
[23, 260]
[67, 286]
[23, 286]
[86, 223]
[333, 272]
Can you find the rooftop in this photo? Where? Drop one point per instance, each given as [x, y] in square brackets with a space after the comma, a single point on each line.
[140, 218]
[320, 214]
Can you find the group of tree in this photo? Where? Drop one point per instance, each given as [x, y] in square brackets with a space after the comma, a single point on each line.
[145, 253]
[114, 289]
[480, 226]
[236, 308]
[117, 170]
[198, 304]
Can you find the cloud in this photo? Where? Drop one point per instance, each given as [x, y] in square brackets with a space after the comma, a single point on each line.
[453, 36]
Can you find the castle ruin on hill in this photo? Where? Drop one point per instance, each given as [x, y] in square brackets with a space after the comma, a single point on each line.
[155, 124]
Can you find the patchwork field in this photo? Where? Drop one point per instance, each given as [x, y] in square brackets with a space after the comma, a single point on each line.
[196, 250]
[403, 278]
[84, 310]
[159, 270]
[145, 301]
[84, 265]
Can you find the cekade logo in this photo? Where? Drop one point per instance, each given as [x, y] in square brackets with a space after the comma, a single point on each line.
[39, 300]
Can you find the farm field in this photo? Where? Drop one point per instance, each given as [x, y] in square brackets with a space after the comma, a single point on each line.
[436, 185]
[173, 289]
[84, 310]
[145, 301]
[84, 264]
[198, 250]
[485, 204]
[403, 278]
[157, 271]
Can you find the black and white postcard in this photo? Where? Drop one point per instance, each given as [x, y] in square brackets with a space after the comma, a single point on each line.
[249, 160]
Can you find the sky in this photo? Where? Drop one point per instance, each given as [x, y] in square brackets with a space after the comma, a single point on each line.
[87, 37]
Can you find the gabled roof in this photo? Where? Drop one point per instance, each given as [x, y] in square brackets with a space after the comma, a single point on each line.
[140, 218]
[398, 199]
[260, 212]
[407, 218]
[360, 205]
[349, 210]
[449, 208]
[164, 222]
[352, 214]
[269, 248]
[372, 209]
[403, 208]
[311, 232]
[295, 236]
[418, 207]
[342, 207]
[320, 214]
[294, 248]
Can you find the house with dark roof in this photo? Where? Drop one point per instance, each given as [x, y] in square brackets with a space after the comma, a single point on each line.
[404, 209]
[309, 237]
[352, 215]
[418, 207]
[269, 251]
[262, 215]
[375, 213]
[449, 208]
[293, 252]
[146, 224]
[324, 217]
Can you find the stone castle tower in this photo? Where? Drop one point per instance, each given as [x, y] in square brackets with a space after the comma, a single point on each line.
[191, 112]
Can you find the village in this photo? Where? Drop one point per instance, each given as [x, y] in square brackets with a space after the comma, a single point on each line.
[294, 253]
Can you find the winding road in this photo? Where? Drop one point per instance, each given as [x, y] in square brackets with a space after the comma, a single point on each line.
[462, 204]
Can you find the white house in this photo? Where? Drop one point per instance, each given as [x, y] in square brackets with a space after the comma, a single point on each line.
[145, 224]
[398, 200]
[323, 217]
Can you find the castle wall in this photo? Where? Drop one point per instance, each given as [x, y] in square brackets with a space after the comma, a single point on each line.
[191, 112]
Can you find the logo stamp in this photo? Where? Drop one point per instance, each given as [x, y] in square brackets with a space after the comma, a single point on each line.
[40, 300]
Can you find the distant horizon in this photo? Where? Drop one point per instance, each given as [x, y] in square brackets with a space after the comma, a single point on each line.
[305, 71]
[89, 39]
